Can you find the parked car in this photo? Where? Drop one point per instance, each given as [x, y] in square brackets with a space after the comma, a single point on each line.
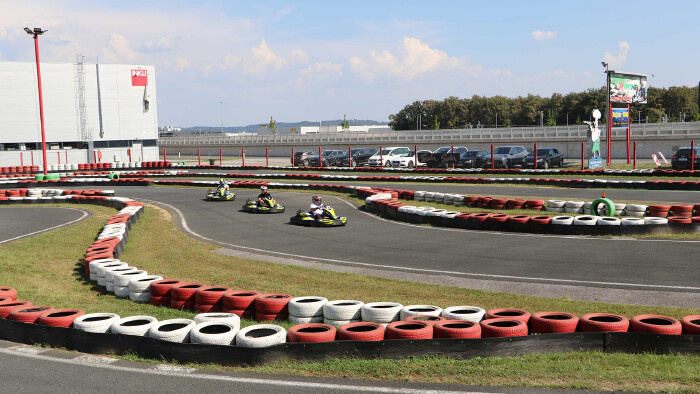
[301, 158]
[327, 156]
[681, 160]
[407, 160]
[546, 157]
[506, 157]
[446, 156]
[360, 157]
[472, 159]
[387, 154]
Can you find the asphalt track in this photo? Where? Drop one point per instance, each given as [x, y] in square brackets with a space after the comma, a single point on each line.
[18, 222]
[370, 242]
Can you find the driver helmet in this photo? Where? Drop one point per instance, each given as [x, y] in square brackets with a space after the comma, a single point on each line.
[263, 189]
[316, 199]
[221, 181]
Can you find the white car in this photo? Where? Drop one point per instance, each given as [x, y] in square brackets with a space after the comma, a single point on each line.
[407, 160]
[388, 155]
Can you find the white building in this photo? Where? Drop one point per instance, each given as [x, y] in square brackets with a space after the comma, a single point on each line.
[110, 109]
[339, 129]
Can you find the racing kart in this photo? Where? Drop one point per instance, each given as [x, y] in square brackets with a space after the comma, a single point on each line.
[270, 206]
[328, 219]
[220, 194]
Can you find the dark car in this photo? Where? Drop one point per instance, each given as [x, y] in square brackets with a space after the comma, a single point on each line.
[681, 160]
[546, 157]
[360, 157]
[507, 156]
[301, 158]
[472, 159]
[327, 156]
[446, 156]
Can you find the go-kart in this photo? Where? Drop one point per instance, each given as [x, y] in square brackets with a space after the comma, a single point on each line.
[270, 206]
[328, 219]
[220, 194]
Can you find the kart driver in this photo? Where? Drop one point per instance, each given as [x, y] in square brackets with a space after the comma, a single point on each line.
[263, 195]
[224, 185]
[316, 207]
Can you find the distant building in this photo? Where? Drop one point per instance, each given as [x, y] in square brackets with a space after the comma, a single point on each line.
[339, 129]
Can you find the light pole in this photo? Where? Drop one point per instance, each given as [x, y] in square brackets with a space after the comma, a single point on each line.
[541, 118]
[496, 119]
[222, 117]
[640, 117]
[36, 33]
[607, 108]
[567, 119]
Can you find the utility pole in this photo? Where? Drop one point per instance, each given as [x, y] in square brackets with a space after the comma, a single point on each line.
[222, 118]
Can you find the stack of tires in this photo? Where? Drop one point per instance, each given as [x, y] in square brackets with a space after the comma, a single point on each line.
[555, 206]
[341, 312]
[305, 310]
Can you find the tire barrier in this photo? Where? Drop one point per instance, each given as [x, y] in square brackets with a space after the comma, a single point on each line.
[503, 327]
[553, 322]
[311, 332]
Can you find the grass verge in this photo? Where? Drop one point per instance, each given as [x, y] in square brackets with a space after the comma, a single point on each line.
[51, 276]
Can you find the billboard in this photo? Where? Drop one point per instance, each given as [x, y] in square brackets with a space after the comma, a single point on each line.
[139, 77]
[628, 88]
[620, 117]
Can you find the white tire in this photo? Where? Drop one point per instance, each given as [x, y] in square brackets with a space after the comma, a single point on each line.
[138, 285]
[632, 222]
[586, 220]
[121, 291]
[620, 207]
[637, 207]
[261, 335]
[471, 313]
[429, 196]
[562, 220]
[172, 330]
[608, 221]
[655, 220]
[133, 325]
[573, 210]
[123, 278]
[95, 322]
[220, 317]
[307, 306]
[381, 312]
[556, 203]
[212, 332]
[419, 195]
[305, 320]
[342, 309]
[100, 268]
[412, 310]
[109, 286]
[101, 281]
[141, 296]
[109, 273]
[635, 214]
[338, 323]
[574, 204]
[553, 209]
[96, 263]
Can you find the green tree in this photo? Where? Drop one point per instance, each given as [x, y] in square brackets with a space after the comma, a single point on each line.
[345, 125]
[436, 123]
[273, 126]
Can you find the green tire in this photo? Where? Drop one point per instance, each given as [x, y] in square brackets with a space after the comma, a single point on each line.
[39, 177]
[609, 205]
[113, 175]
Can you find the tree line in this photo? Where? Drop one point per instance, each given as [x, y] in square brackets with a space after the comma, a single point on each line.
[674, 104]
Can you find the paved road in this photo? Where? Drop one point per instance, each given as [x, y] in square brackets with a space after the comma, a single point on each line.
[18, 222]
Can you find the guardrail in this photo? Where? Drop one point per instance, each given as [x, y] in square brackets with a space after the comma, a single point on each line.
[578, 132]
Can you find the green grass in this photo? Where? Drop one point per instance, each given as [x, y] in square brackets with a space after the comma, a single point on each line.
[51, 276]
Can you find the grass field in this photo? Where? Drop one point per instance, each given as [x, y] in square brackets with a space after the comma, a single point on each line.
[45, 270]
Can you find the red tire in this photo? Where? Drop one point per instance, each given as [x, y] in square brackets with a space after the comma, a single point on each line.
[272, 303]
[515, 204]
[409, 330]
[184, 291]
[206, 308]
[7, 306]
[511, 313]
[483, 202]
[456, 329]
[540, 219]
[498, 202]
[361, 331]
[242, 313]
[682, 210]
[691, 325]
[518, 219]
[179, 304]
[531, 204]
[429, 319]
[162, 288]
[10, 292]
[603, 322]
[259, 317]
[240, 300]
[656, 324]
[550, 322]
[311, 332]
[503, 327]
[679, 219]
[159, 300]
[479, 217]
[210, 295]
[497, 217]
[28, 315]
[59, 317]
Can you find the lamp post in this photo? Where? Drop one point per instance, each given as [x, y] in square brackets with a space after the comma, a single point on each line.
[496, 119]
[222, 118]
[607, 110]
[36, 32]
[567, 119]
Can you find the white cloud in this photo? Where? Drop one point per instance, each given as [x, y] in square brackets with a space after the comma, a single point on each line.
[298, 56]
[181, 64]
[323, 70]
[411, 59]
[3, 34]
[260, 60]
[118, 49]
[544, 35]
[164, 44]
[620, 58]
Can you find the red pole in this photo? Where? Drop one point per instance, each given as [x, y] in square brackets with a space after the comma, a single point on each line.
[535, 155]
[349, 156]
[493, 160]
[692, 155]
[41, 101]
[267, 156]
[381, 158]
[21, 159]
[628, 133]
[128, 151]
[199, 156]
[32, 156]
[94, 156]
[59, 157]
[66, 156]
[583, 157]
[320, 162]
[164, 155]
[453, 152]
[415, 157]
[292, 156]
[635, 155]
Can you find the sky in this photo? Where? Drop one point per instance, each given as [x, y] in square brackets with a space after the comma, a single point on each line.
[247, 61]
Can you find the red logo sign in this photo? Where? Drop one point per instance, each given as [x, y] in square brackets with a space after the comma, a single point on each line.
[139, 77]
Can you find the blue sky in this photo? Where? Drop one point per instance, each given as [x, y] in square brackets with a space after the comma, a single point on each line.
[318, 60]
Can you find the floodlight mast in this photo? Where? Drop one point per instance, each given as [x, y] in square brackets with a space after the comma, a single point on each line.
[36, 32]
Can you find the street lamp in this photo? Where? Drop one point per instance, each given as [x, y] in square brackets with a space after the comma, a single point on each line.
[607, 110]
[36, 33]
[567, 119]
[541, 118]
